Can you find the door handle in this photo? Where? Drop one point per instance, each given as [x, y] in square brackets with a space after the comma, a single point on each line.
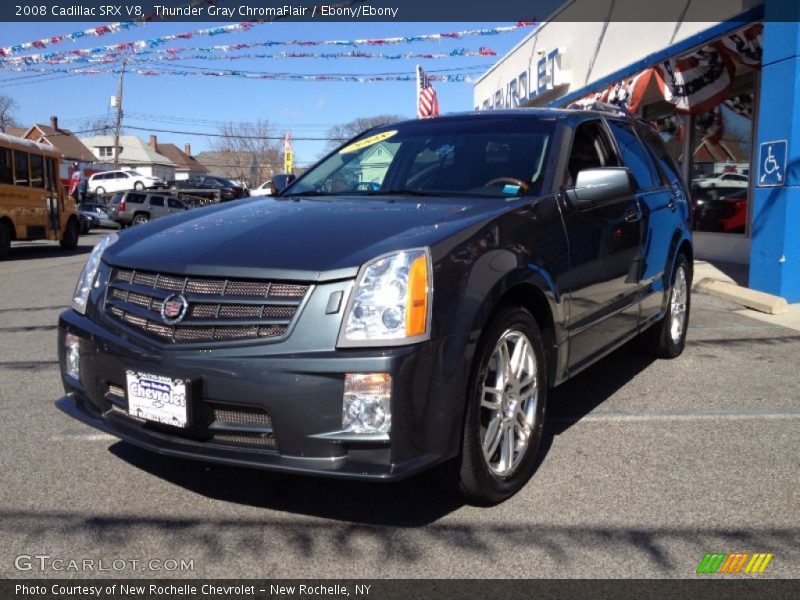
[633, 217]
[671, 204]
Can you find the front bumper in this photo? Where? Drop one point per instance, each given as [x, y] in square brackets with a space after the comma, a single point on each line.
[300, 391]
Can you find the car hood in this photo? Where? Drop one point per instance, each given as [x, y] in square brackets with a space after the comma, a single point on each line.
[294, 238]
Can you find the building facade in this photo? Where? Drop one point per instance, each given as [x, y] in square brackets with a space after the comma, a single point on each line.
[722, 94]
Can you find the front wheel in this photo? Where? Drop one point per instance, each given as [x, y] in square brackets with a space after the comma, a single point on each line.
[505, 411]
[667, 337]
[138, 186]
[71, 234]
[99, 191]
[140, 219]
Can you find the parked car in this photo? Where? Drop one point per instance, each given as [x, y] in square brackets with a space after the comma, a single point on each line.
[88, 221]
[119, 181]
[136, 208]
[373, 334]
[265, 189]
[226, 188]
[98, 212]
[725, 213]
[723, 180]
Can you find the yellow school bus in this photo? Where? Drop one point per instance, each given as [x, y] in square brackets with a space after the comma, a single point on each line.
[33, 205]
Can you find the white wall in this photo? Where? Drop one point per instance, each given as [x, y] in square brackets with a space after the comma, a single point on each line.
[589, 50]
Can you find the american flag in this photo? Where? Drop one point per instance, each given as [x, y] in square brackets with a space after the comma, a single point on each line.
[427, 103]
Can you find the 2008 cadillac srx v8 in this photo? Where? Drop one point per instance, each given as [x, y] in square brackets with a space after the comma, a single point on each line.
[404, 304]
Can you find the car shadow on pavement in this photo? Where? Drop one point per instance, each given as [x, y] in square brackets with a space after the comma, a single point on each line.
[36, 250]
[572, 401]
[412, 502]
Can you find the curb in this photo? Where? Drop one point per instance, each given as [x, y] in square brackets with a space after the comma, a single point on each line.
[760, 301]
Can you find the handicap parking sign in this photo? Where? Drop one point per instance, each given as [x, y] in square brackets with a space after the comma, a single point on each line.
[772, 164]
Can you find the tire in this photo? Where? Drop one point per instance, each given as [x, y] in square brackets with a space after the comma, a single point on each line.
[5, 240]
[71, 235]
[486, 478]
[667, 337]
[140, 219]
[139, 186]
[99, 191]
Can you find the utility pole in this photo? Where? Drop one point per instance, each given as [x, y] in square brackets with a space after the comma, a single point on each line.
[118, 122]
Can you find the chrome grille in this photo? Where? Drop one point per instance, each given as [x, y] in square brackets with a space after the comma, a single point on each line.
[246, 439]
[220, 310]
[241, 415]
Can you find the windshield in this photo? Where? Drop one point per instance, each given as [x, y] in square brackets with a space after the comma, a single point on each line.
[489, 157]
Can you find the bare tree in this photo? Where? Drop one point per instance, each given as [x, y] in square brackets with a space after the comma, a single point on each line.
[98, 126]
[7, 107]
[342, 133]
[248, 152]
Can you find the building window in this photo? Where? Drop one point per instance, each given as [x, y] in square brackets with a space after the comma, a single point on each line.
[106, 151]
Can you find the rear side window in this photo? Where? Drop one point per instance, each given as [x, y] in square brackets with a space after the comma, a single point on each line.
[173, 203]
[135, 198]
[21, 168]
[156, 200]
[37, 170]
[634, 155]
[6, 172]
[591, 149]
[661, 155]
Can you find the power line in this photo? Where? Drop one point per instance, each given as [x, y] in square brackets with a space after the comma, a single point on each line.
[243, 137]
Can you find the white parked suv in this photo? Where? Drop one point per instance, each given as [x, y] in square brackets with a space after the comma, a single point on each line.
[120, 181]
[730, 180]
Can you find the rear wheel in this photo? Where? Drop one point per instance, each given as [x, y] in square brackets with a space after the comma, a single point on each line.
[71, 234]
[5, 240]
[138, 185]
[140, 219]
[99, 191]
[667, 338]
[505, 411]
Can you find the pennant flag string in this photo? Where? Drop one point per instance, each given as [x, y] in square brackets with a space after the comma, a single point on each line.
[112, 58]
[98, 31]
[151, 45]
[341, 77]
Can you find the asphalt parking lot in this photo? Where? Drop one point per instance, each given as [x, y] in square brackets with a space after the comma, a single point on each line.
[647, 466]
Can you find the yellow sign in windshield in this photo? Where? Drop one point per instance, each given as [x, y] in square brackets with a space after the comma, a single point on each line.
[368, 141]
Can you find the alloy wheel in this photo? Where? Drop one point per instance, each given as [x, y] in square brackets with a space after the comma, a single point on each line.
[677, 305]
[508, 403]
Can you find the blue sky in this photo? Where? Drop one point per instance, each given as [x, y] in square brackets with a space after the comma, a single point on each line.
[197, 104]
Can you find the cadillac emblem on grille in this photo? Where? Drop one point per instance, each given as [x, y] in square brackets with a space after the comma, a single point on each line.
[174, 309]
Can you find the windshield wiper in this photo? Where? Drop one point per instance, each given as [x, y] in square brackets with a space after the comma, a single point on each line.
[309, 193]
[408, 193]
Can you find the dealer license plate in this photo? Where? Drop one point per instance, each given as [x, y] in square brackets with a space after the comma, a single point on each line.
[157, 398]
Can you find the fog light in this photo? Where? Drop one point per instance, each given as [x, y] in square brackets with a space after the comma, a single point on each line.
[366, 403]
[73, 355]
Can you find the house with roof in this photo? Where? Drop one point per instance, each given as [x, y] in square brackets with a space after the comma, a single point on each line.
[186, 166]
[134, 154]
[73, 151]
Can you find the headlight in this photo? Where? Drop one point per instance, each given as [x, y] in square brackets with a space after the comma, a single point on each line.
[391, 302]
[85, 281]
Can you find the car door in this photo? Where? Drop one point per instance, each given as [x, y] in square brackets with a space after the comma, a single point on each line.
[663, 208]
[604, 253]
[157, 206]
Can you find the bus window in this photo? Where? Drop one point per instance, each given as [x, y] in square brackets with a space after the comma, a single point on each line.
[21, 168]
[50, 170]
[37, 170]
[6, 175]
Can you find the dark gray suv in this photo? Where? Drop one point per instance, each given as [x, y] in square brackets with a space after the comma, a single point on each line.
[405, 304]
[136, 208]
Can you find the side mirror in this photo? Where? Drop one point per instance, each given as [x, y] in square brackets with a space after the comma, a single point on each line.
[596, 187]
[282, 180]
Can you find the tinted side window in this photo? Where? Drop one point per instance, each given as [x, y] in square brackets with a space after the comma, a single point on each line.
[51, 174]
[6, 174]
[591, 149]
[173, 203]
[135, 198]
[661, 155]
[634, 155]
[21, 167]
[156, 200]
[37, 170]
